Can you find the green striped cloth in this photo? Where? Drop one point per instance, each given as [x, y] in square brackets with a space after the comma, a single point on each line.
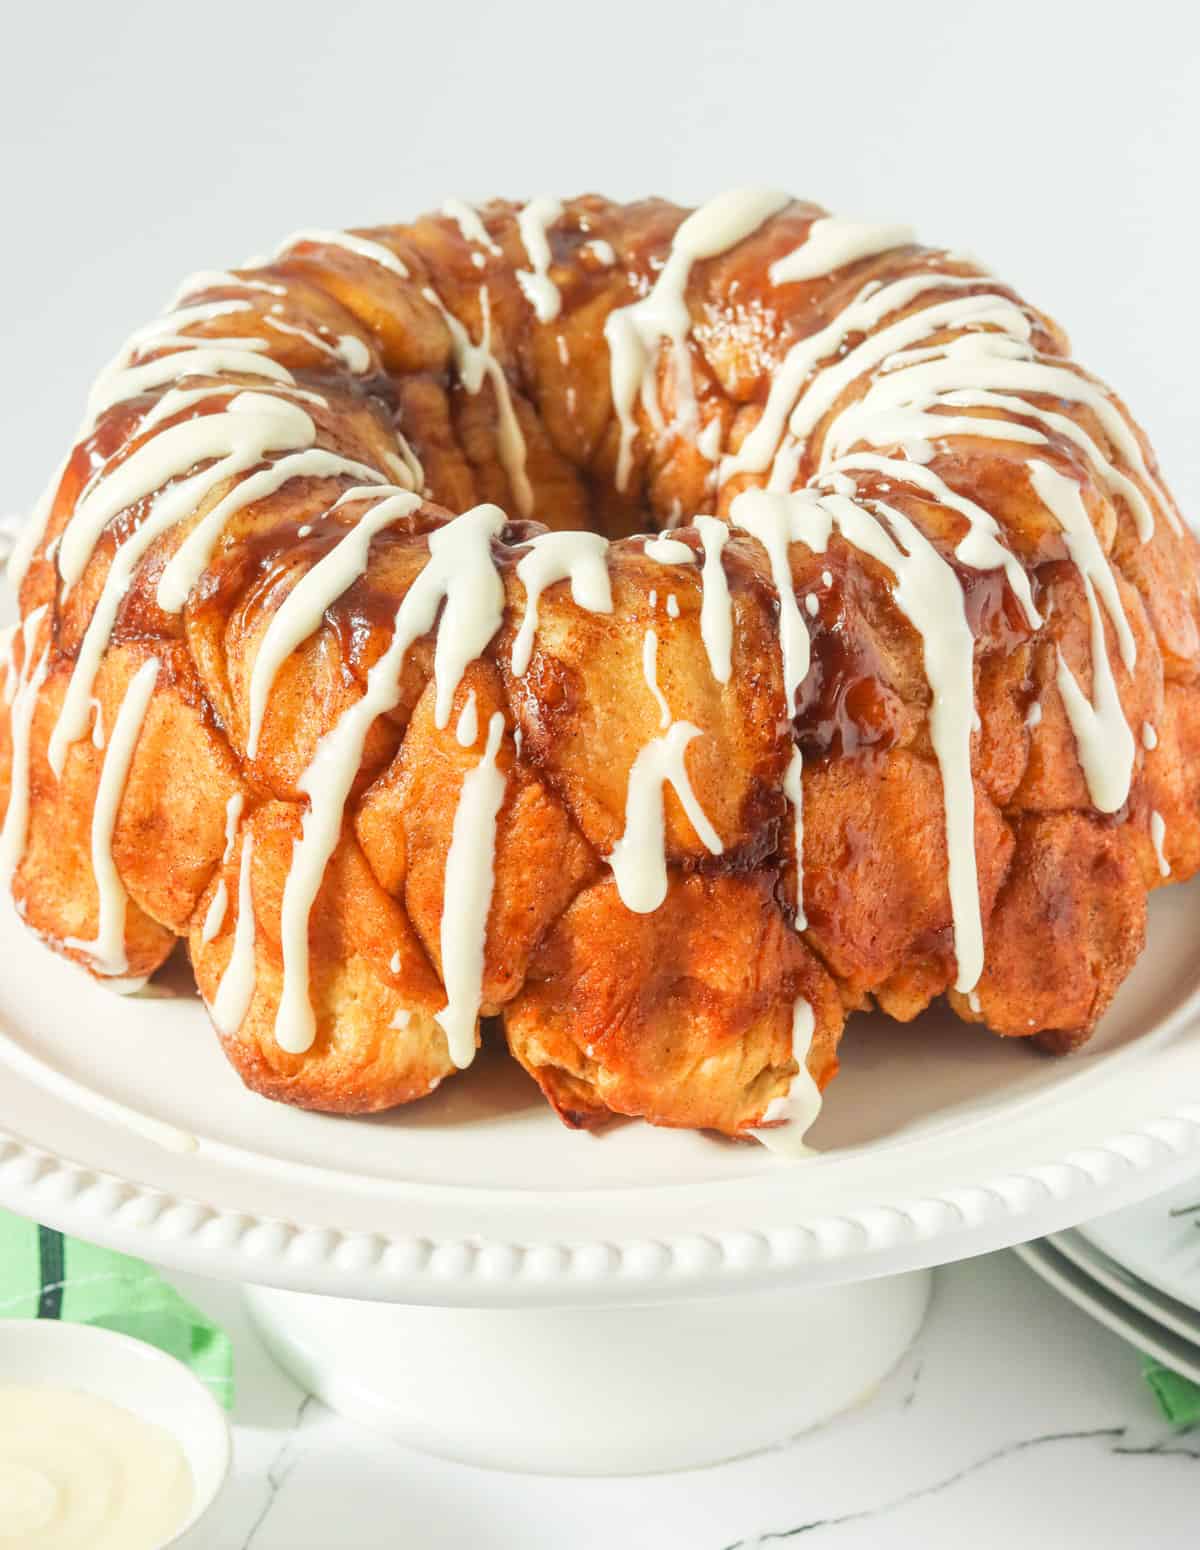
[1178, 1397]
[44, 1275]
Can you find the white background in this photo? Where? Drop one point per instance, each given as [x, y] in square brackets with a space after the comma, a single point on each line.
[141, 141]
[1014, 1423]
[1059, 142]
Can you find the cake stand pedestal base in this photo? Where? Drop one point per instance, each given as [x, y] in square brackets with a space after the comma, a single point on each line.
[597, 1391]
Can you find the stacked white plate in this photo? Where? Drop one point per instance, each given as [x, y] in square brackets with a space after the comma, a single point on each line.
[1137, 1272]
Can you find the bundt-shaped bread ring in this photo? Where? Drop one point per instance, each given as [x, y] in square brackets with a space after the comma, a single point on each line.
[906, 703]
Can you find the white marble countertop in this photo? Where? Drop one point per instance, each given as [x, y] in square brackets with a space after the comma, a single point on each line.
[1014, 1420]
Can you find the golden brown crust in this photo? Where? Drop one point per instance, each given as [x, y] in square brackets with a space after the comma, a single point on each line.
[1066, 930]
[367, 967]
[682, 1015]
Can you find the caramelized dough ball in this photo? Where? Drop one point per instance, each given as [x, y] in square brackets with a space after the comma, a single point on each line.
[405, 824]
[1154, 569]
[682, 1016]
[1169, 788]
[1054, 779]
[325, 674]
[875, 888]
[170, 830]
[585, 709]
[173, 806]
[406, 327]
[1066, 929]
[377, 1043]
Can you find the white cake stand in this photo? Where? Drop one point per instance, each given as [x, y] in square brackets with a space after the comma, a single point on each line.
[493, 1287]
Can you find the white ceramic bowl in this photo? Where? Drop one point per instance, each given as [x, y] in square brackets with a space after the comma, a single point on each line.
[132, 1374]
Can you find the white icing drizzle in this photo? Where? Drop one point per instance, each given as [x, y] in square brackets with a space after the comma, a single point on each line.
[470, 878]
[461, 573]
[175, 403]
[833, 242]
[174, 322]
[1061, 496]
[121, 379]
[634, 332]
[540, 290]
[1149, 737]
[107, 949]
[475, 363]
[650, 674]
[788, 1119]
[467, 731]
[1158, 833]
[376, 252]
[1103, 738]
[34, 530]
[716, 608]
[15, 832]
[981, 547]
[582, 559]
[672, 606]
[601, 251]
[793, 789]
[401, 1018]
[407, 466]
[708, 443]
[221, 279]
[959, 312]
[638, 859]
[812, 605]
[233, 817]
[668, 551]
[214, 916]
[301, 612]
[184, 569]
[350, 351]
[236, 988]
[929, 594]
[469, 223]
[798, 368]
[394, 963]
[253, 424]
[195, 356]
[771, 519]
[877, 425]
[1033, 717]
[907, 426]
[992, 370]
[12, 676]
